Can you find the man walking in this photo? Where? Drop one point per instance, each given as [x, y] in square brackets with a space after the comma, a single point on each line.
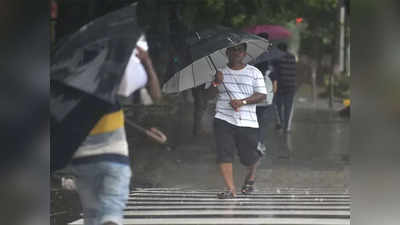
[240, 87]
[101, 163]
[285, 70]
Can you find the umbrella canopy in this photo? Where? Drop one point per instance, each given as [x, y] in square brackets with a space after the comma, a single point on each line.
[272, 54]
[86, 72]
[94, 58]
[73, 113]
[275, 32]
[205, 51]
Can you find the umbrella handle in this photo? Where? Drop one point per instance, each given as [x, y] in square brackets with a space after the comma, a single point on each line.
[154, 133]
[157, 135]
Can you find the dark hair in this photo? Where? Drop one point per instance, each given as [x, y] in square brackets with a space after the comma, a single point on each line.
[264, 35]
[282, 46]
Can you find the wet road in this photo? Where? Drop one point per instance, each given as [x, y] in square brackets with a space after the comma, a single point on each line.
[303, 179]
[315, 155]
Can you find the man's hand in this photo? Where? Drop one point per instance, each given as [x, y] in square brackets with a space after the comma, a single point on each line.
[219, 77]
[142, 55]
[153, 82]
[236, 104]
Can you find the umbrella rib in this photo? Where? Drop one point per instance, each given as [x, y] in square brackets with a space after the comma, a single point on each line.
[219, 51]
[194, 77]
[209, 64]
[248, 52]
[256, 45]
[179, 80]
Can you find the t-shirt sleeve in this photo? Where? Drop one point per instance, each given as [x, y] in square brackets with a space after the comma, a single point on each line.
[259, 84]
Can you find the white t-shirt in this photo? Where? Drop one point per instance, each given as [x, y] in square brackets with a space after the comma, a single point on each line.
[240, 84]
[135, 75]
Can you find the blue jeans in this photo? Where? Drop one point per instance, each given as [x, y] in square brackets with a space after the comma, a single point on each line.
[103, 189]
[284, 104]
[264, 116]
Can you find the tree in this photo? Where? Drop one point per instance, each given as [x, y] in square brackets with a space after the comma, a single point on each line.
[318, 31]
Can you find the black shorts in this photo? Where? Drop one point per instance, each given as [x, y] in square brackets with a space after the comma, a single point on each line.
[230, 138]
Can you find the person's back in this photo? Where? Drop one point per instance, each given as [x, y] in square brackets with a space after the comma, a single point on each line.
[286, 72]
[286, 77]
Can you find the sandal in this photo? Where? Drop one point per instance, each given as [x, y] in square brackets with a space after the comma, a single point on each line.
[248, 187]
[226, 195]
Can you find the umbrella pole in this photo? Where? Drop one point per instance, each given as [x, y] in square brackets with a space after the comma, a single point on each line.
[227, 91]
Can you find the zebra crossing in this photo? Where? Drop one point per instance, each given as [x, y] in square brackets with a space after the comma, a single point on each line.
[275, 206]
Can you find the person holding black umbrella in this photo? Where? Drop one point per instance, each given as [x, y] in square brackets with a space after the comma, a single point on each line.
[103, 59]
[239, 86]
[101, 163]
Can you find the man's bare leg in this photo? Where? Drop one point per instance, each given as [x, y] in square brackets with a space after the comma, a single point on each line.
[248, 186]
[227, 173]
[251, 172]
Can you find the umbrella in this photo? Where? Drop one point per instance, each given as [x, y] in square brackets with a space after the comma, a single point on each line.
[205, 52]
[73, 113]
[273, 53]
[94, 58]
[275, 32]
[86, 71]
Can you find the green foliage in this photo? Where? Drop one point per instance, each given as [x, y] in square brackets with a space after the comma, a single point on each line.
[316, 33]
[341, 86]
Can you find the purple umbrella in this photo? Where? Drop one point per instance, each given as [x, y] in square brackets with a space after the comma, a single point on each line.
[275, 32]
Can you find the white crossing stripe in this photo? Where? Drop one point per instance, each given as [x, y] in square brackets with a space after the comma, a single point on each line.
[276, 207]
[212, 194]
[242, 199]
[297, 207]
[236, 212]
[227, 202]
[266, 221]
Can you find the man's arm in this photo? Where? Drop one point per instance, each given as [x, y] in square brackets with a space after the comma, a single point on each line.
[254, 99]
[274, 75]
[275, 86]
[153, 82]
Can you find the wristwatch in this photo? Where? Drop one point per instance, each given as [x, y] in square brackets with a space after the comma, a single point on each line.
[244, 102]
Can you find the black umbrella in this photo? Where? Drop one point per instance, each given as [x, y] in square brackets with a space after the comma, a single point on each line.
[73, 114]
[94, 58]
[272, 54]
[201, 52]
[86, 72]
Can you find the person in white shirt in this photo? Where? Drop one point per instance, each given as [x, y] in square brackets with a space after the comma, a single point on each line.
[239, 87]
